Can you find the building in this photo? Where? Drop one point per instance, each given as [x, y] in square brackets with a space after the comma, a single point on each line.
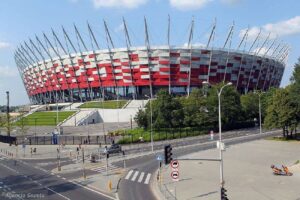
[136, 72]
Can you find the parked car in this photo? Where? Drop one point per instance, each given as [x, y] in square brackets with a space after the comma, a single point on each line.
[114, 148]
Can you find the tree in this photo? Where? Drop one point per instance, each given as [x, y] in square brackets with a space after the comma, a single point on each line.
[295, 88]
[195, 110]
[22, 124]
[141, 118]
[250, 105]
[282, 112]
[231, 109]
[167, 111]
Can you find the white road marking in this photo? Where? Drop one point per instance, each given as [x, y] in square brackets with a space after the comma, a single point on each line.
[57, 193]
[135, 175]
[141, 177]
[90, 189]
[129, 174]
[148, 178]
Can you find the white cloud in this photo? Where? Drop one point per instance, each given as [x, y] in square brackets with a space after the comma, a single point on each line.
[119, 28]
[282, 28]
[231, 2]
[198, 44]
[118, 3]
[6, 71]
[189, 4]
[263, 50]
[4, 45]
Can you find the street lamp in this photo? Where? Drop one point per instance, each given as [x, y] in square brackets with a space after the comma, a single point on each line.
[56, 109]
[220, 133]
[151, 118]
[259, 109]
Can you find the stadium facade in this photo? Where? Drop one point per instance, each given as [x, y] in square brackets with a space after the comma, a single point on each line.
[136, 72]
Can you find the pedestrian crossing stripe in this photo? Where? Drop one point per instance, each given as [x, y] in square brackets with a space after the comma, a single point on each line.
[103, 168]
[134, 175]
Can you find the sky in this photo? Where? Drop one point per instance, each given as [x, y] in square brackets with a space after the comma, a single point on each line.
[23, 19]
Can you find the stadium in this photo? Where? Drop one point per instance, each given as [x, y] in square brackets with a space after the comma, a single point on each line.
[57, 71]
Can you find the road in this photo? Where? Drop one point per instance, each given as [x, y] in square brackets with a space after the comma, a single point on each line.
[24, 181]
[32, 177]
[131, 189]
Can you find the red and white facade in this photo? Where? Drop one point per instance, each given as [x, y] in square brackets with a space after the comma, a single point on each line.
[139, 71]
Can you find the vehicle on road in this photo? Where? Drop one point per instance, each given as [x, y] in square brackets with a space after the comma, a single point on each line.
[114, 148]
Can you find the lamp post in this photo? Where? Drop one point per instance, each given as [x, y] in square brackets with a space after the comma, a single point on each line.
[220, 134]
[56, 109]
[259, 108]
[151, 119]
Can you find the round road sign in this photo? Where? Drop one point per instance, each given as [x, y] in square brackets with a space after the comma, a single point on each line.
[175, 175]
[174, 164]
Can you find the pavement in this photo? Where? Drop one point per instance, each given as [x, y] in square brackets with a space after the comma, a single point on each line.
[247, 173]
[134, 181]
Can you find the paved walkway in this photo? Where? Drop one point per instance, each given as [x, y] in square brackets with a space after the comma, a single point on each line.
[247, 173]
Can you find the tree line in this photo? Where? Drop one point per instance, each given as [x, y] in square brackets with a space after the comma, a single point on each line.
[279, 108]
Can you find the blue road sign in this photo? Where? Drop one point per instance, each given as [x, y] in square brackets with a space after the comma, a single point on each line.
[159, 157]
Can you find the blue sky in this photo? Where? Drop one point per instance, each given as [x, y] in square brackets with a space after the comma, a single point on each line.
[21, 19]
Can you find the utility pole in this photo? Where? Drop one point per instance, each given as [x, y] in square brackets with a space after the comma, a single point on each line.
[7, 114]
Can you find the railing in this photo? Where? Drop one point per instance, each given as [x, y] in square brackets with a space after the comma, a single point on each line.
[59, 124]
[82, 121]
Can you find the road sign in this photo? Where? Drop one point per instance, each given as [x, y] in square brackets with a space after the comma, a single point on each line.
[174, 164]
[159, 157]
[175, 175]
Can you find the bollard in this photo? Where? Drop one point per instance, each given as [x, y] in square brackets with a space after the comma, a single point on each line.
[110, 185]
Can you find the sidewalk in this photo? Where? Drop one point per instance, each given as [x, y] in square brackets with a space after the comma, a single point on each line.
[247, 173]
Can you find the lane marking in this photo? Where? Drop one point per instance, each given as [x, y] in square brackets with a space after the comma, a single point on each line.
[135, 175]
[148, 178]
[9, 168]
[90, 189]
[129, 174]
[141, 177]
[57, 193]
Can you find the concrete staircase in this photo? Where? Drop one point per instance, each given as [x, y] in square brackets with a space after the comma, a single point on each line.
[73, 106]
[76, 118]
[137, 104]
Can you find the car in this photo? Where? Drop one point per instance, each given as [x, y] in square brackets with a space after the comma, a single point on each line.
[114, 148]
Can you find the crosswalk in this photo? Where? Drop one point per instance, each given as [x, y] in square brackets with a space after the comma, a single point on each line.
[137, 176]
[102, 169]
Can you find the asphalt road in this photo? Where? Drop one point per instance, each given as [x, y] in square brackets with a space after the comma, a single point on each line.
[24, 181]
[131, 189]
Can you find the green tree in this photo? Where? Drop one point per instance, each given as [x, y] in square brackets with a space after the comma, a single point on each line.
[167, 111]
[282, 112]
[141, 119]
[295, 88]
[231, 109]
[250, 106]
[195, 110]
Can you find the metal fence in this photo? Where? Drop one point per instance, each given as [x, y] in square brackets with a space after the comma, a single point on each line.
[67, 139]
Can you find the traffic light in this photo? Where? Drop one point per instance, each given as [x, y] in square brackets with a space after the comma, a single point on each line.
[168, 154]
[223, 194]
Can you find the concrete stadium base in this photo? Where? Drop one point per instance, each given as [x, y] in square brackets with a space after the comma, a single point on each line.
[247, 173]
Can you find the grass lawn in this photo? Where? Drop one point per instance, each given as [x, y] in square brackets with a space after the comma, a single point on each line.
[105, 104]
[45, 118]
